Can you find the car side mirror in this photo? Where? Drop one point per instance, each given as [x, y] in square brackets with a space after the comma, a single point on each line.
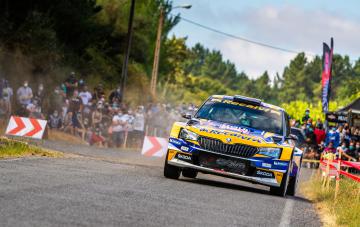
[292, 137]
[186, 116]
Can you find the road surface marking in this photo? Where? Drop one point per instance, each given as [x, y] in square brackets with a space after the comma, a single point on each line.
[285, 218]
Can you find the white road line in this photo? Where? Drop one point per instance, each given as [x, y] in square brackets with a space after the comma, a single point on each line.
[286, 216]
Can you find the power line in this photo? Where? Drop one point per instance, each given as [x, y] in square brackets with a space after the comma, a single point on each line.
[249, 40]
[243, 38]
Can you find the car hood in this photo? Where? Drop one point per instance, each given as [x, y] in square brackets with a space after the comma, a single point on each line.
[233, 133]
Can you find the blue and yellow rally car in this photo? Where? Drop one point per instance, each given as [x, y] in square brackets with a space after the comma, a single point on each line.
[236, 137]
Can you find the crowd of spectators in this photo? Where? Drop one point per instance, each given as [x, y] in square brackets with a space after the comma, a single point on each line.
[104, 120]
[97, 118]
[339, 139]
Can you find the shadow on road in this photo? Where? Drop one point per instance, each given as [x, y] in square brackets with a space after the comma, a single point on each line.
[226, 185]
[234, 186]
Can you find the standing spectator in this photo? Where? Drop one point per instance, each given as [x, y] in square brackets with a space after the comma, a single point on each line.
[55, 121]
[306, 117]
[117, 126]
[40, 94]
[56, 100]
[333, 136]
[24, 95]
[85, 96]
[319, 133]
[354, 134]
[115, 95]
[75, 107]
[347, 136]
[7, 93]
[98, 92]
[78, 125]
[139, 126]
[310, 136]
[97, 117]
[71, 84]
[129, 126]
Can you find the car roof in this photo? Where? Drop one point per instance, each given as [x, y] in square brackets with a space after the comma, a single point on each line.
[264, 104]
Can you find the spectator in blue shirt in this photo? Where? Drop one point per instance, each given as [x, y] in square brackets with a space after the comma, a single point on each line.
[333, 136]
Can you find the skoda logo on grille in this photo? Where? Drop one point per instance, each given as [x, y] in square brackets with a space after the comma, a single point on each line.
[228, 140]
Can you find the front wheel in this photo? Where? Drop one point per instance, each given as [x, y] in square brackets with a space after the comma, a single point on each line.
[291, 190]
[170, 171]
[190, 173]
[281, 191]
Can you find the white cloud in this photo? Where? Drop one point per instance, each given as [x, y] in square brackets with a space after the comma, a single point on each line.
[253, 59]
[301, 29]
[288, 27]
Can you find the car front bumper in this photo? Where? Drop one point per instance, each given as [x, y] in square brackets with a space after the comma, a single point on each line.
[260, 180]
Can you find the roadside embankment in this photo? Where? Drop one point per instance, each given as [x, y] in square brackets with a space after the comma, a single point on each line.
[344, 211]
[10, 148]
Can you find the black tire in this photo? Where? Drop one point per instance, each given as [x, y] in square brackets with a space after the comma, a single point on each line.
[293, 182]
[170, 171]
[281, 191]
[190, 173]
[291, 190]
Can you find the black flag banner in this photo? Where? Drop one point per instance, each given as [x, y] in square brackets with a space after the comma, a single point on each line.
[326, 75]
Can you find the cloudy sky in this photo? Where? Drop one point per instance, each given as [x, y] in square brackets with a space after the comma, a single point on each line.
[295, 25]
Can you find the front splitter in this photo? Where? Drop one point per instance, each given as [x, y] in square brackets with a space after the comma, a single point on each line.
[259, 180]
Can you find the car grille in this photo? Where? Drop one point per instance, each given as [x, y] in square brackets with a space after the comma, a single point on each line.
[218, 146]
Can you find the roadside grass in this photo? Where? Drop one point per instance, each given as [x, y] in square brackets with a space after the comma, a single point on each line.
[56, 135]
[344, 211]
[10, 148]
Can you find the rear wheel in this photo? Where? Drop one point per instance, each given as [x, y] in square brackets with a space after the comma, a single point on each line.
[170, 171]
[190, 173]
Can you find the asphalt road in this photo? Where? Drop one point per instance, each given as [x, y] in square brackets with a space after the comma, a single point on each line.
[113, 188]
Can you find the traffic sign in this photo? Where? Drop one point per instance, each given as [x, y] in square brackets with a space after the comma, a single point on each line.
[26, 127]
[154, 146]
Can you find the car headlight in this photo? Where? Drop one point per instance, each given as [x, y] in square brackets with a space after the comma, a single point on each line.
[188, 135]
[271, 152]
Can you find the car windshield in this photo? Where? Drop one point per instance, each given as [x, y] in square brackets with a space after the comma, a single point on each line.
[257, 117]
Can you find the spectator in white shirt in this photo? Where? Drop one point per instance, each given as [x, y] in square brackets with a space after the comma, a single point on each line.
[138, 126]
[24, 94]
[118, 124]
[85, 96]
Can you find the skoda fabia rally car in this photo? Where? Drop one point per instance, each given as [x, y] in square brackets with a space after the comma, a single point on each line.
[236, 137]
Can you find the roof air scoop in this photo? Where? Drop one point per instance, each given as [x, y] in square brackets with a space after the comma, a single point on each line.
[247, 100]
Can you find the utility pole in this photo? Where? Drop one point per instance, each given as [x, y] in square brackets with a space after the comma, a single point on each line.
[155, 69]
[154, 73]
[127, 50]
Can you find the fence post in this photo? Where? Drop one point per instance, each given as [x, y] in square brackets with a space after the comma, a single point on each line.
[326, 157]
[337, 177]
[330, 159]
[147, 130]
[125, 139]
